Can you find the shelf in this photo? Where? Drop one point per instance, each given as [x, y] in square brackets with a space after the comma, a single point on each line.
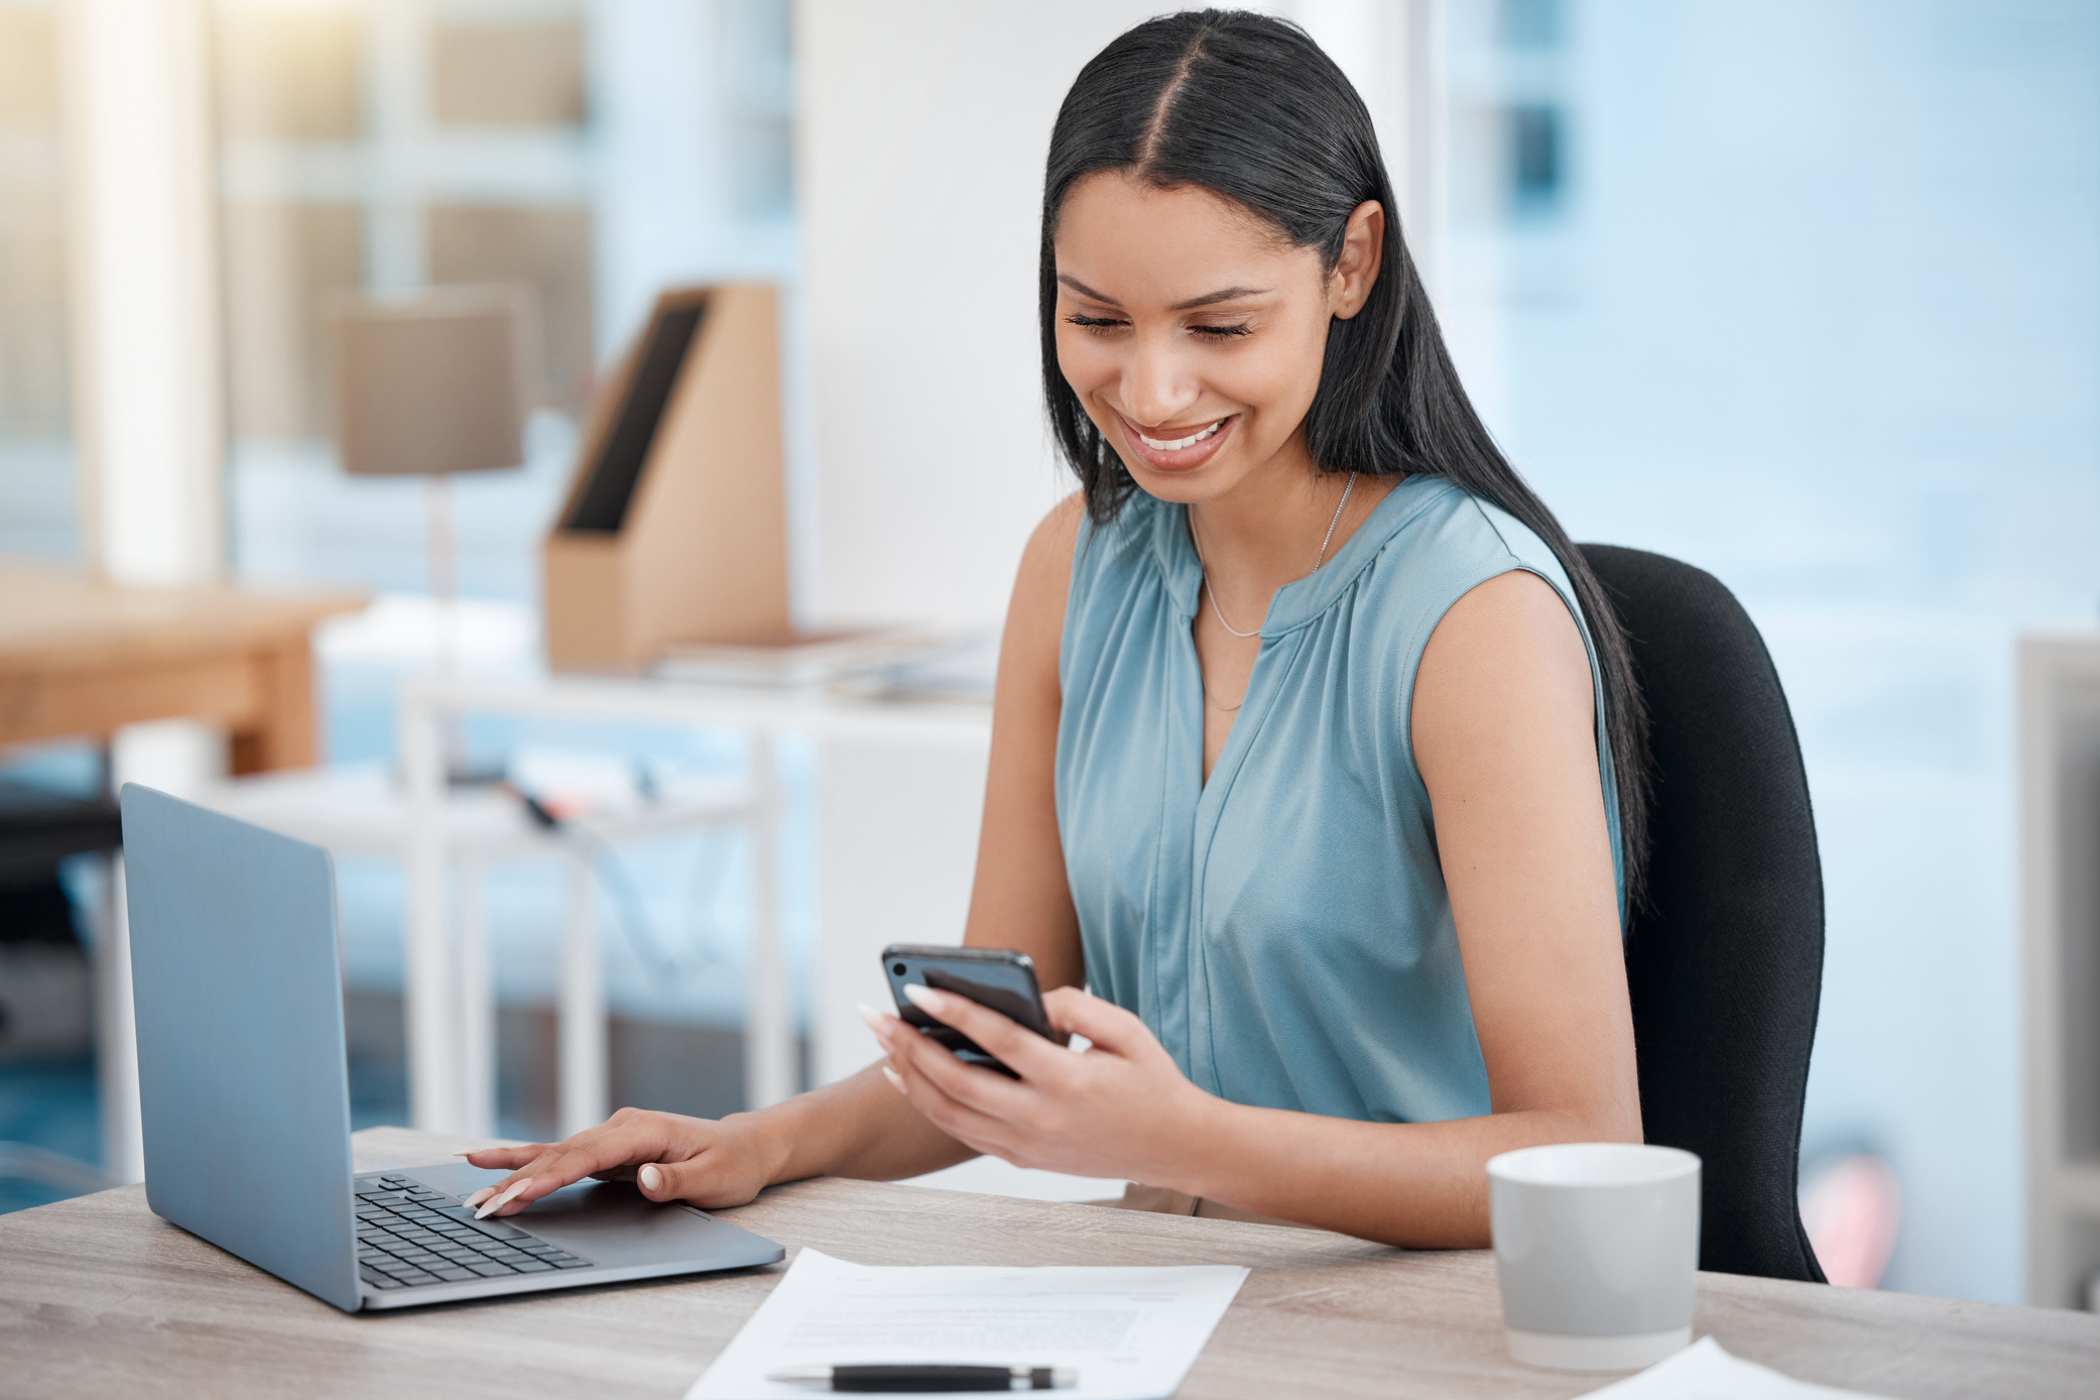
[360, 810]
[2078, 1187]
[2059, 710]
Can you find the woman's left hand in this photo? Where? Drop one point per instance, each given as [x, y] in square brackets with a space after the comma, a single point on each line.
[1120, 1109]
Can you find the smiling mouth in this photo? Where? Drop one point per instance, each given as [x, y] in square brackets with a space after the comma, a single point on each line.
[1176, 444]
[1183, 450]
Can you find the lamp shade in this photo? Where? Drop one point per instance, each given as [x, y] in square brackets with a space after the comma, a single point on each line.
[432, 384]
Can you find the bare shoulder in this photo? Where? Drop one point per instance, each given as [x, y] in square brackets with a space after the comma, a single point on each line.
[1035, 617]
[1047, 559]
[1505, 666]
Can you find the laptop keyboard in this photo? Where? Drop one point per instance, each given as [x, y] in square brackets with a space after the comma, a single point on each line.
[409, 1236]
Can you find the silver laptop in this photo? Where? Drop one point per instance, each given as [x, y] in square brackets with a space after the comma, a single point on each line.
[245, 1094]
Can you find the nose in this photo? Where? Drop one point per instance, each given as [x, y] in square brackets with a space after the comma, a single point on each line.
[1158, 385]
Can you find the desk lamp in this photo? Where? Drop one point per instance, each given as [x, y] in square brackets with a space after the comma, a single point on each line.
[434, 384]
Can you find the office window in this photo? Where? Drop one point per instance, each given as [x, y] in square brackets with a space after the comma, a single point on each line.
[587, 150]
[1531, 24]
[1532, 134]
[291, 73]
[522, 71]
[39, 512]
[1818, 310]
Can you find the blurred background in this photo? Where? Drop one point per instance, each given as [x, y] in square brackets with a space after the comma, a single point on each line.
[1806, 293]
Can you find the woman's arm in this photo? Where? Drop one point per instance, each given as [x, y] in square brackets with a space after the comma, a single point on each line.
[858, 1127]
[1503, 730]
[1018, 898]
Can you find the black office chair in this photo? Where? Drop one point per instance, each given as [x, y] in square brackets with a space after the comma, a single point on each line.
[1725, 965]
[39, 827]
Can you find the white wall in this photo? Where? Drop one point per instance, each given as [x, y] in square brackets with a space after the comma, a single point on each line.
[920, 136]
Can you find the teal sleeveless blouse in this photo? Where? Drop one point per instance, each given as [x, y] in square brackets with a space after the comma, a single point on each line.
[1283, 929]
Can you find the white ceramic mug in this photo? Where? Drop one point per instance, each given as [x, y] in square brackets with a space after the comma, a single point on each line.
[1597, 1250]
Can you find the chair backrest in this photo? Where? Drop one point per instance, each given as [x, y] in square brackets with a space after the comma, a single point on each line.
[1724, 960]
[41, 826]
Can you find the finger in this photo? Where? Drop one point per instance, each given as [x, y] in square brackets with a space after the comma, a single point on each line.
[908, 1051]
[505, 1158]
[965, 1124]
[503, 1198]
[1102, 1022]
[983, 1090]
[602, 1149]
[597, 1149]
[1020, 1049]
[906, 1042]
[961, 1134]
[677, 1181]
[488, 1193]
[519, 1173]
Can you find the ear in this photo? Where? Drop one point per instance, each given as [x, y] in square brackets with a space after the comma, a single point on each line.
[1356, 270]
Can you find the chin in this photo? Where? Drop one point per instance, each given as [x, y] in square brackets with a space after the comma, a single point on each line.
[1184, 487]
[1168, 486]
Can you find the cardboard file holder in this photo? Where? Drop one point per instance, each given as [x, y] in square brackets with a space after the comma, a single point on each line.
[674, 529]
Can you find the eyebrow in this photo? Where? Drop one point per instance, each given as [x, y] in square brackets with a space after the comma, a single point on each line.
[1207, 299]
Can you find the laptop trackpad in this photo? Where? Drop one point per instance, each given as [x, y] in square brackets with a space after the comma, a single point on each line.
[607, 1222]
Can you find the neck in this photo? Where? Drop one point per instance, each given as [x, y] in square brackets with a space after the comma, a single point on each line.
[1266, 531]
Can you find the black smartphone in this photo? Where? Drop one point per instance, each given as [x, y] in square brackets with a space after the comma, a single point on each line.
[999, 978]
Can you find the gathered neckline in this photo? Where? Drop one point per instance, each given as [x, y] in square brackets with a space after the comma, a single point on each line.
[1307, 596]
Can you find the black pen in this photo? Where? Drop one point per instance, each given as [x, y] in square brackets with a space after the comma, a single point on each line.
[903, 1377]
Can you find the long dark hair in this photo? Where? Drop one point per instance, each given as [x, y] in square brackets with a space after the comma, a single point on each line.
[1248, 107]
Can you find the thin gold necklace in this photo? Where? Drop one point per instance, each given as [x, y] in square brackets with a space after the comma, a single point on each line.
[1318, 560]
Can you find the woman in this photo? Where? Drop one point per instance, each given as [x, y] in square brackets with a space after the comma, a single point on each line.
[1315, 747]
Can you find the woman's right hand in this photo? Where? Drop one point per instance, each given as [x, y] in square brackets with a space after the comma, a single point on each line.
[705, 1161]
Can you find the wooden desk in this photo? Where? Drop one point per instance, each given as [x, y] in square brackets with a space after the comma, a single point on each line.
[97, 1296]
[81, 657]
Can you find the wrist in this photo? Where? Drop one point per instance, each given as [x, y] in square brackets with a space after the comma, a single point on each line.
[1201, 1150]
[773, 1138]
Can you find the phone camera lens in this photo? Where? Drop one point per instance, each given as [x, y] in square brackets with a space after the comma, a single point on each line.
[897, 968]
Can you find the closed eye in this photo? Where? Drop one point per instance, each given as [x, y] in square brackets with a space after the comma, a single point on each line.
[1095, 325]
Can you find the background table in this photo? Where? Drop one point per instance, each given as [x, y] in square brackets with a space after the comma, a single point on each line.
[359, 810]
[761, 716]
[81, 657]
[97, 1296]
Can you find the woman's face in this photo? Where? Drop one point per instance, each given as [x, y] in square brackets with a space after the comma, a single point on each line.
[1146, 362]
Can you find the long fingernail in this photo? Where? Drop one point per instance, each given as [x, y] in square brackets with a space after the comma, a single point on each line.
[925, 998]
[505, 1199]
[479, 1196]
[651, 1178]
[896, 1082]
[876, 1020]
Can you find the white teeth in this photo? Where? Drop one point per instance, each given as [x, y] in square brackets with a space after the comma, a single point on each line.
[1178, 443]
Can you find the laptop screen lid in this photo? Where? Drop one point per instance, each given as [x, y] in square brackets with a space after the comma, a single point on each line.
[244, 1090]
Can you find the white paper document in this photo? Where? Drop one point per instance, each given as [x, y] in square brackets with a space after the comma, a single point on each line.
[1704, 1371]
[1131, 1334]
